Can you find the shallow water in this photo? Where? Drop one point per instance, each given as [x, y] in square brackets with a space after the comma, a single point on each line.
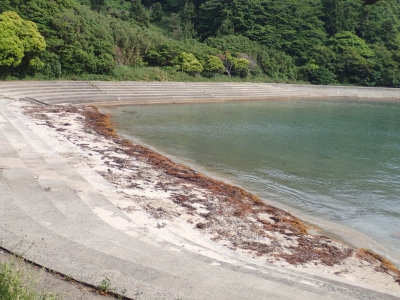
[335, 160]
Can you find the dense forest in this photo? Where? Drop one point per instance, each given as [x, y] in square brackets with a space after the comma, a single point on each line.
[316, 41]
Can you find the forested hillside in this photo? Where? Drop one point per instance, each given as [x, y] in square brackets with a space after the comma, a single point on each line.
[316, 41]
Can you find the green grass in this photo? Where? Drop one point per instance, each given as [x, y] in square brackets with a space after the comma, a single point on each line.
[16, 284]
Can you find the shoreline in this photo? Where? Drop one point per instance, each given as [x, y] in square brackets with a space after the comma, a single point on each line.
[350, 236]
[318, 226]
[112, 104]
[228, 215]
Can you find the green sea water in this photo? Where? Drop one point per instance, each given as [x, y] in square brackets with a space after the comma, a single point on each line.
[334, 160]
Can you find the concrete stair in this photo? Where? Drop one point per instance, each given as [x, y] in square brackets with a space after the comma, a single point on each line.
[107, 92]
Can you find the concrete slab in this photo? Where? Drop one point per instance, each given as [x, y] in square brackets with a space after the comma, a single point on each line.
[7, 162]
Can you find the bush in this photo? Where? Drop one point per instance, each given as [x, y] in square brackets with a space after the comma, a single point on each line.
[214, 65]
[190, 64]
[322, 76]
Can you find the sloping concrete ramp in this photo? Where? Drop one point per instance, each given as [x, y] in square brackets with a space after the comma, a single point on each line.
[47, 215]
[113, 93]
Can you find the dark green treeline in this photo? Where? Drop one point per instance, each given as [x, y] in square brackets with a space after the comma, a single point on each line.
[316, 41]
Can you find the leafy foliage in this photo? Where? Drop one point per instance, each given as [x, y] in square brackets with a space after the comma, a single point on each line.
[139, 14]
[317, 41]
[20, 42]
[156, 12]
[189, 63]
[17, 284]
[214, 65]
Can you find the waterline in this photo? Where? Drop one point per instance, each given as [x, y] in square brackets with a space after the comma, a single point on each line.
[335, 160]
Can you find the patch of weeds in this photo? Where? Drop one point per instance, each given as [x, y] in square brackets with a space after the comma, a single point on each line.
[105, 286]
[68, 278]
[18, 252]
[14, 284]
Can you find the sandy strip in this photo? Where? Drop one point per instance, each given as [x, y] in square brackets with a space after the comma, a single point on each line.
[206, 211]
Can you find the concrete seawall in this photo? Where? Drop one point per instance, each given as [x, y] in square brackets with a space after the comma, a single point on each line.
[130, 93]
[347, 91]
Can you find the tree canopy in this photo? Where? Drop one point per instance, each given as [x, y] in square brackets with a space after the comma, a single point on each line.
[19, 40]
[316, 41]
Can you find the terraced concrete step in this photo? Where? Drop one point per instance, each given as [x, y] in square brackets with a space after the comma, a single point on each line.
[54, 91]
[138, 83]
[86, 92]
[47, 87]
[44, 247]
[21, 84]
[67, 95]
[154, 92]
[40, 159]
[78, 224]
[115, 99]
[21, 89]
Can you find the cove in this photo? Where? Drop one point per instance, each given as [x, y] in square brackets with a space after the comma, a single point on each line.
[335, 160]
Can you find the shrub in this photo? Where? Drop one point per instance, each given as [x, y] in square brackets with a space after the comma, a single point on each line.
[190, 64]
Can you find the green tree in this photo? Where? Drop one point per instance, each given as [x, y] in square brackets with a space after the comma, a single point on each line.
[187, 14]
[11, 47]
[234, 65]
[322, 76]
[133, 43]
[228, 61]
[226, 27]
[214, 65]
[353, 63]
[386, 66]
[52, 65]
[182, 22]
[280, 39]
[345, 39]
[341, 15]
[138, 13]
[97, 4]
[323, 56]
[175, 25]
[189, 63]
[156, 12]
[83, 42]
[174, 5]
[241, 66]
[20, 42]
[291, 26]
[315, 74]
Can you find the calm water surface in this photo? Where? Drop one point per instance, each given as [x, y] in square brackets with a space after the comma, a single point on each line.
[335, 160]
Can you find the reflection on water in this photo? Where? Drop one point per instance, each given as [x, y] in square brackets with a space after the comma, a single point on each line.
[336, 160]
